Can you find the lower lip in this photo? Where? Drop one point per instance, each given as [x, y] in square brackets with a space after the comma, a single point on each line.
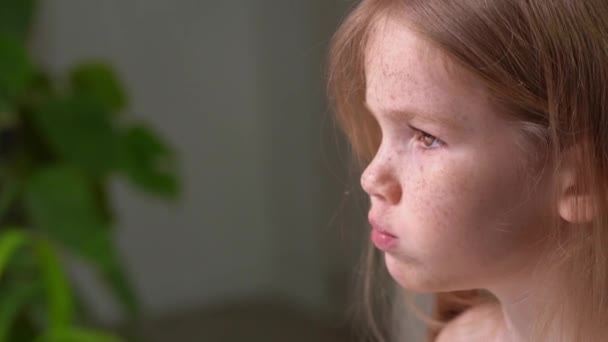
[383, 240]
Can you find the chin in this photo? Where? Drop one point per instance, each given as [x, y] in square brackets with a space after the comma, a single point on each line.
[413, 276]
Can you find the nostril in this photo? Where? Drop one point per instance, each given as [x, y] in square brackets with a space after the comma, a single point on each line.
[393, 195]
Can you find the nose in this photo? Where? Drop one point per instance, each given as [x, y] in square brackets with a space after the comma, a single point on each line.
[380, 181]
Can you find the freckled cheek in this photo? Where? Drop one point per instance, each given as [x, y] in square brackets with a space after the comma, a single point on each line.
[431, 198]
[442, 224]
[456, 207]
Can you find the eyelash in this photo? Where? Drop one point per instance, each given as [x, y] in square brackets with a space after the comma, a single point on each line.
[421, 135]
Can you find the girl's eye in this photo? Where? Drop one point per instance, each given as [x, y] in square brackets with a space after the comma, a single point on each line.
[428, 140]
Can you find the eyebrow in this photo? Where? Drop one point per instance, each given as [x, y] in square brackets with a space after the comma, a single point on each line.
[399, 115]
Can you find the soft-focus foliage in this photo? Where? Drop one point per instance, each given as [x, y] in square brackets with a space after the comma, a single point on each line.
[61, 142]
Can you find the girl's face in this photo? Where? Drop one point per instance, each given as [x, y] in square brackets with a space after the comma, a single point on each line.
[451, 205]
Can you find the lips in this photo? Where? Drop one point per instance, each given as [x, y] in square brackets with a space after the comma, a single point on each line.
[381, 237]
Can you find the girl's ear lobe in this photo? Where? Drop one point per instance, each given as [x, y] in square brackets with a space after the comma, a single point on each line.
[574, 202]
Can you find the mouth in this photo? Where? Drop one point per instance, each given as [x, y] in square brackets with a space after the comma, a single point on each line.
[381, 238]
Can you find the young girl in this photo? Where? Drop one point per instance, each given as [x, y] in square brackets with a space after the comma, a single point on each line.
[483, 129]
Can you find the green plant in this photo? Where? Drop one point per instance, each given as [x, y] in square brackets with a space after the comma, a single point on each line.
[62, 139]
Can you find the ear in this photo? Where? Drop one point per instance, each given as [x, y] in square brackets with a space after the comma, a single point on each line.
[574, 202]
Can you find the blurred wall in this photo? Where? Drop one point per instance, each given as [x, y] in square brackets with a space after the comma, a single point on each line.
[237, 87]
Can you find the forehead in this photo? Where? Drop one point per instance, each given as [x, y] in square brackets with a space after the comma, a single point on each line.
[404, 73]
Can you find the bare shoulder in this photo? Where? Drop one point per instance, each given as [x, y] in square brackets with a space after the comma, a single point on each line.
[477, 324]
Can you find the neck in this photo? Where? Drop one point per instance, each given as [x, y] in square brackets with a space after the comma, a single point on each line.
[517, 312]
[519, 302]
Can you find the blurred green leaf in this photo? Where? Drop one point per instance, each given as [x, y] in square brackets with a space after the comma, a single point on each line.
[98, 81]
[62, 205]
[74, 334]
[115, 276]
[4, 106]
[7, 116]
[80, 130]
[14, 298]
[15, 69]
[148, 162]
[9, 190]
[58, 292]
[40, 90]
[10, 240]
[16, 17]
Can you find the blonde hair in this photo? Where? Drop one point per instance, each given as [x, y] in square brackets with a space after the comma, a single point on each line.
[545, 65]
